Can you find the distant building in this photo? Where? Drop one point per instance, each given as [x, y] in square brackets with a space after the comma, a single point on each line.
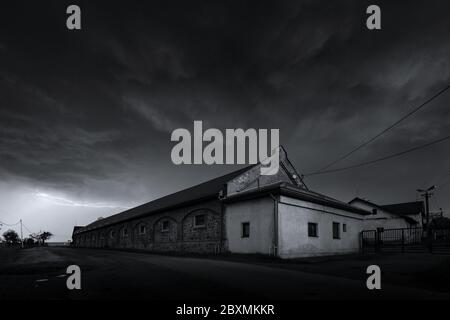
[241, 212]
[393, 216]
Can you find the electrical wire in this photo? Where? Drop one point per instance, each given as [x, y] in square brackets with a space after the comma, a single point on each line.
[380, 159]
[9, 225]
[27, 228]
[384, 131]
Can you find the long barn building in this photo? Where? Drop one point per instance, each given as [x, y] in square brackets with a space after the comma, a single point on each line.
[241, 212]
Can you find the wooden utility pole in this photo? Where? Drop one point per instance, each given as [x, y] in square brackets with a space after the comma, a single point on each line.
[427, 194]
[427, 207]
[21, 233]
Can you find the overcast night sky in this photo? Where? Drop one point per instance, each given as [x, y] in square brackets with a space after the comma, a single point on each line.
[86, 116]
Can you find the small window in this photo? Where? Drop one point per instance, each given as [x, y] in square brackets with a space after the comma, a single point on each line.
[344, 227]
[245, 229]
[165, 225]
[142, 229]
[125, 232]
[374, 211]
[336, 230]
[102, 236]
[199, 220]
[312, 229]
[112, 234]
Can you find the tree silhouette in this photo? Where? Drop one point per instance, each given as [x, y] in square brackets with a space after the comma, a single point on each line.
[11, 237]
[29, 242]
[46, 235]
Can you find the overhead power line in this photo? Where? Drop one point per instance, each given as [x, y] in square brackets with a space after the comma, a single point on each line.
[15, 224]
[31, 232]
[10, 225]
[380, 159]
[384, 131]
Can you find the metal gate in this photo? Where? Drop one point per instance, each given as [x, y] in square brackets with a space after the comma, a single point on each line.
[406, 240]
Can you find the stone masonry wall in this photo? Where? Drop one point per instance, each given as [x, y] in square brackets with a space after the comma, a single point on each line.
[170, 231]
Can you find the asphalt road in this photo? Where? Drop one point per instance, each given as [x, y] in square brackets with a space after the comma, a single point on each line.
[40, 273]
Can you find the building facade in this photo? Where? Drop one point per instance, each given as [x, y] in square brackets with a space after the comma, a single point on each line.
[242, 212]
[393, 216]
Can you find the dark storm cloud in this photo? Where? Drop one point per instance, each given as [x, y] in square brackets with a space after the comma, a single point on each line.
[91, 111]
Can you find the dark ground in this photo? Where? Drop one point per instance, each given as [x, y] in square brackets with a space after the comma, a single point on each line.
[39, 273]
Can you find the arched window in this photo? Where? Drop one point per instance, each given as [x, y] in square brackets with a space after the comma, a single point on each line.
[200, 220]
[142, 229]
[165, 224]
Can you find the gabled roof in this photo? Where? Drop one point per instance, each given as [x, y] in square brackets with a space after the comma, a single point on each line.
[203, 191]
[405, 209]
[293, 191]
[368, 203]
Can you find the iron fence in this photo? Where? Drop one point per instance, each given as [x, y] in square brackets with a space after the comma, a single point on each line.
[406, 240]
